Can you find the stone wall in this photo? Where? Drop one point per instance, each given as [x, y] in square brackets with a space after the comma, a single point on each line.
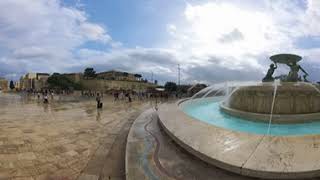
[103, 85]
[76, 77]
[290, 99]
[3, 85]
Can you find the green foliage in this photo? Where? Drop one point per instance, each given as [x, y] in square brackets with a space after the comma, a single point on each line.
[184, 88]
[125, 74]
[60, 81]
[11, 85]
[89, 73]
[170, 87]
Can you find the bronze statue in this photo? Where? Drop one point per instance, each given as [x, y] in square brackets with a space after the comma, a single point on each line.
[305, 78]
[293, 75]
[290, 60]
[270, 72]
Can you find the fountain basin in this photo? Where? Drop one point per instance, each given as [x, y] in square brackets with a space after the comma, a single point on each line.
[294, 103]
[245, 153]
[276, 118]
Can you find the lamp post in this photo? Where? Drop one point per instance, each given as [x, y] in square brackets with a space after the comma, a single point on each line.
[178, 80]
[151, 76]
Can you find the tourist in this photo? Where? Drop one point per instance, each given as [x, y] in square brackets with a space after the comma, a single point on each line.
[52, 95]
[121, 96]
[98, 99]
[45, 98]
[129, 97]
[116, 96]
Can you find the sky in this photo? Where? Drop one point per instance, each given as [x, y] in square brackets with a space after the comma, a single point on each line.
[212, 40]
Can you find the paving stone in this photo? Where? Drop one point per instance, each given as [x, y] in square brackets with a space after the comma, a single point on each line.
[58, 141]
[88, 177]
[26, 156]
[23, 178]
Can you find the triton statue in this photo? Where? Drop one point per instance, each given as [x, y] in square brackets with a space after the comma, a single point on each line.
[270, 72]
[290, 60]
[293, 75]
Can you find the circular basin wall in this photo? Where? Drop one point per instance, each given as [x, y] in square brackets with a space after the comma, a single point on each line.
[291, 98]
[241, 146]
[208, 110]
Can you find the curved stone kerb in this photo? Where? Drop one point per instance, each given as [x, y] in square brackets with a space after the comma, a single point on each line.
[270, 157]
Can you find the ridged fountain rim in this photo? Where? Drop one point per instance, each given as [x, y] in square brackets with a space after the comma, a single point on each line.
[276, 118]
[262, 156]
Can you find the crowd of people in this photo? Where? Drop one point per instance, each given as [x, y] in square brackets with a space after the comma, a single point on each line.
[46, 94]
[126, 96]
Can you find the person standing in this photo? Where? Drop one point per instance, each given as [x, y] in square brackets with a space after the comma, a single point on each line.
[116, 96]
[38, 95]
[98, 99]
[52, 95]
[129, 97]
[45, 98]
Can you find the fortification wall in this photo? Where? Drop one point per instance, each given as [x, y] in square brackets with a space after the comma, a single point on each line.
[102, 85]
[4, 85]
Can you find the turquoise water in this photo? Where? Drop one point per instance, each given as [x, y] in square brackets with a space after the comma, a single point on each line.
[209, 112]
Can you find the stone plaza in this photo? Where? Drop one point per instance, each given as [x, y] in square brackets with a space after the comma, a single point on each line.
[245, 130]
[62, 140]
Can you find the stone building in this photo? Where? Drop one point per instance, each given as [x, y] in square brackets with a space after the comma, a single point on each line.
[3, 84]
[195, 88]
[106, 85]
[105, 81]
[117, 80]
[118, 76]
[75, 77]
[17, 85]
[34, 81]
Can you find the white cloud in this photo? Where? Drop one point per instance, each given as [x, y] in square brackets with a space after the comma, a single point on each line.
[43, 35]
[161, 62]
[237, 33]
[94, 32]
[31, 52]
[311, 19]
[214, 41]
[171, 29]
[209, 23]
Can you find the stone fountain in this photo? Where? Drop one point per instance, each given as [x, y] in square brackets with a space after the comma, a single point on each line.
[268, 129]
[296, 99]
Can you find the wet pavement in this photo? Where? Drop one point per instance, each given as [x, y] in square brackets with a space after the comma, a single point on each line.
[152, 154]
[65, 139]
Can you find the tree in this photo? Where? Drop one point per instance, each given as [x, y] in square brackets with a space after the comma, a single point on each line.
[11, 85]
[138, 76]
[170, 87]
[125, 74]
[89, 73]
[60, 81]
[155, 82]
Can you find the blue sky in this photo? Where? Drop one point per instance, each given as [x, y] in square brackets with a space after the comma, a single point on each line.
[132, 22]
[213, 40]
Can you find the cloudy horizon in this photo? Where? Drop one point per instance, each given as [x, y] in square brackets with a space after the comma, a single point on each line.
[213, 41]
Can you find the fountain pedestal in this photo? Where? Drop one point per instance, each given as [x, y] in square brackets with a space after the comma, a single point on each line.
[294, 103]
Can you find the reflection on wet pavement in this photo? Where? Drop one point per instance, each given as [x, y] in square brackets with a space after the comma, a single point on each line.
[56, 140]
